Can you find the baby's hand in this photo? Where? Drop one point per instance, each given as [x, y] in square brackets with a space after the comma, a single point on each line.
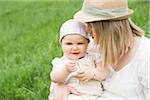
[85, 75]
[70, 65]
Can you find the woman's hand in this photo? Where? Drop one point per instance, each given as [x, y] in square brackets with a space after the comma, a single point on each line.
[62, 91]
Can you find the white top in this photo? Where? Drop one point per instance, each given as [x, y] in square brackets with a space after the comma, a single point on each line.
[84, 88]
[132, 82]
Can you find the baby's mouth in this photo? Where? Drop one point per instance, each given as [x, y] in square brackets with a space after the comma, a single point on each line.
[75, 53]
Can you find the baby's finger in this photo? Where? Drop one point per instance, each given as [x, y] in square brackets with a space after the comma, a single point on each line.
[78, 77]
[80, 72]
[72, 61]
[83, 79]
[73, 68]
[72, 65]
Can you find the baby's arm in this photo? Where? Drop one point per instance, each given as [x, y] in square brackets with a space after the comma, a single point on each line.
[61, 71]
[59, 75]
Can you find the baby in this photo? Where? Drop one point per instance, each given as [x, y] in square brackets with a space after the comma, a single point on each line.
[77, 67]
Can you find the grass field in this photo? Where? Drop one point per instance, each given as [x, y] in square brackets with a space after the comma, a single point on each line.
[29, 41]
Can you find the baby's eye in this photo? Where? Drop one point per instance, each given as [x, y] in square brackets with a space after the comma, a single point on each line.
[80, 43]
[68, 43]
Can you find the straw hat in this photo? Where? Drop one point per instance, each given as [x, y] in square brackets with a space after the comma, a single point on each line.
[72, 26]
[96, 10]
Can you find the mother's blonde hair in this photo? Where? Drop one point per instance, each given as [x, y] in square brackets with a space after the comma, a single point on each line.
[114, 38]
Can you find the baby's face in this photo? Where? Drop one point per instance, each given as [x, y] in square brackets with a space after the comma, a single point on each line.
[74, 46]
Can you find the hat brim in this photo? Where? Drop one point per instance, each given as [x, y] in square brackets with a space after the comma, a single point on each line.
[86, 17]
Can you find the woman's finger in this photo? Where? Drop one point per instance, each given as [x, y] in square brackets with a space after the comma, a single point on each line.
[58, 95]
[57, 98]
[65, 97]
[74, 91]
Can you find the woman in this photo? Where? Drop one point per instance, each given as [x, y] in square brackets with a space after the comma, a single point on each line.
[124, 49]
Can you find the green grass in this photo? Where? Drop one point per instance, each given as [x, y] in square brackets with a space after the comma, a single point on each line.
[29, 41]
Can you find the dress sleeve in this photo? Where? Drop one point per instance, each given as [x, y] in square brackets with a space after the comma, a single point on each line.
[56, 63]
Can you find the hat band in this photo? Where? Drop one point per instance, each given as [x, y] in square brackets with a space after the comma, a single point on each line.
[104, 12]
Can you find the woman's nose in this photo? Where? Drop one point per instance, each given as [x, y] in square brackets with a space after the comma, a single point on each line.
[88, 28]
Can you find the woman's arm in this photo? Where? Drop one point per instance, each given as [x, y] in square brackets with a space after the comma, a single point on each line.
[62, 91]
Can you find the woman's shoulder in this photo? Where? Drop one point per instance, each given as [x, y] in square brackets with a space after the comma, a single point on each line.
[144, 44]
[143, 52]
[145, 41]
[144, 47]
